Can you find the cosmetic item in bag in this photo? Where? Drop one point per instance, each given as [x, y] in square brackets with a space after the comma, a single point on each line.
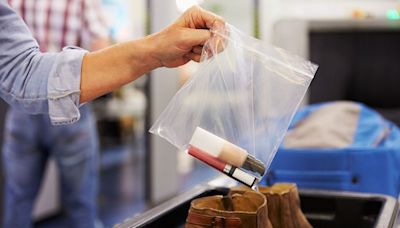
[230, 170]
[245, 208]
[225, 151]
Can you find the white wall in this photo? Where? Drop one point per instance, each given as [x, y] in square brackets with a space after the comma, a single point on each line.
[164, 84]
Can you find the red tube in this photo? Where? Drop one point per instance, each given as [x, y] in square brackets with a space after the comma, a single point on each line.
[206, 158]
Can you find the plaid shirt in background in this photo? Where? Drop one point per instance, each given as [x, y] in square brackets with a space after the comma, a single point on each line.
[56, 24]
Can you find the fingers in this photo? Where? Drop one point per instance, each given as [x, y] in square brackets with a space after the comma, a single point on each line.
[208, 18]
[193, 56]
[196, 17]
[190, 32]
[196, 37]
[197, 49]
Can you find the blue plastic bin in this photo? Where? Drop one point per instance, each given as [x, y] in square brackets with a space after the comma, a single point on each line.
[359, 170]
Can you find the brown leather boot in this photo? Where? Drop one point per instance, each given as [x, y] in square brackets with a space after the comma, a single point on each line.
[284, 206]
[244, 209]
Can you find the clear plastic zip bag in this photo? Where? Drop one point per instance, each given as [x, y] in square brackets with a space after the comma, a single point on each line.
[234, 111]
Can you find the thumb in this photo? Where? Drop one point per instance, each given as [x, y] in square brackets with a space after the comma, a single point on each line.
[197, 37]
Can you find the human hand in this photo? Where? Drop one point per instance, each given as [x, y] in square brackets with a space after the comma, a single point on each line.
[183, 40]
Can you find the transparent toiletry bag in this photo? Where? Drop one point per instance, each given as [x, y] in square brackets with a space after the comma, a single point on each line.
[237, 107]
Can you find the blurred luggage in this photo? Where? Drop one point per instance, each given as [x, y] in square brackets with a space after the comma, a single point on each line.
[340, 146]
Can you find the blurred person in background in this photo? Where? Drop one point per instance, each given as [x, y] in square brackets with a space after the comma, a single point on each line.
[56, 84]
[31, 139]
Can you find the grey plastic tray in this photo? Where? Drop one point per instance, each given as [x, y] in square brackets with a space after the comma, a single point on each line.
[322, 208]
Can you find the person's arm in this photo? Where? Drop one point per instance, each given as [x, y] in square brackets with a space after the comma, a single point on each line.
[110, 68]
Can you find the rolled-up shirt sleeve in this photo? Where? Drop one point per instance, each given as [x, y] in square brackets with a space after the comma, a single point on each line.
[36, 82]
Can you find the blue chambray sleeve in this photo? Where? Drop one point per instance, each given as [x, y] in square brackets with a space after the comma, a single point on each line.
[36, 82]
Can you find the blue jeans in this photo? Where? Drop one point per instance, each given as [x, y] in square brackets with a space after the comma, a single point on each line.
[29, 141]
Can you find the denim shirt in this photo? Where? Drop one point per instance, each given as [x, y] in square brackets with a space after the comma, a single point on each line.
[36, 82]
